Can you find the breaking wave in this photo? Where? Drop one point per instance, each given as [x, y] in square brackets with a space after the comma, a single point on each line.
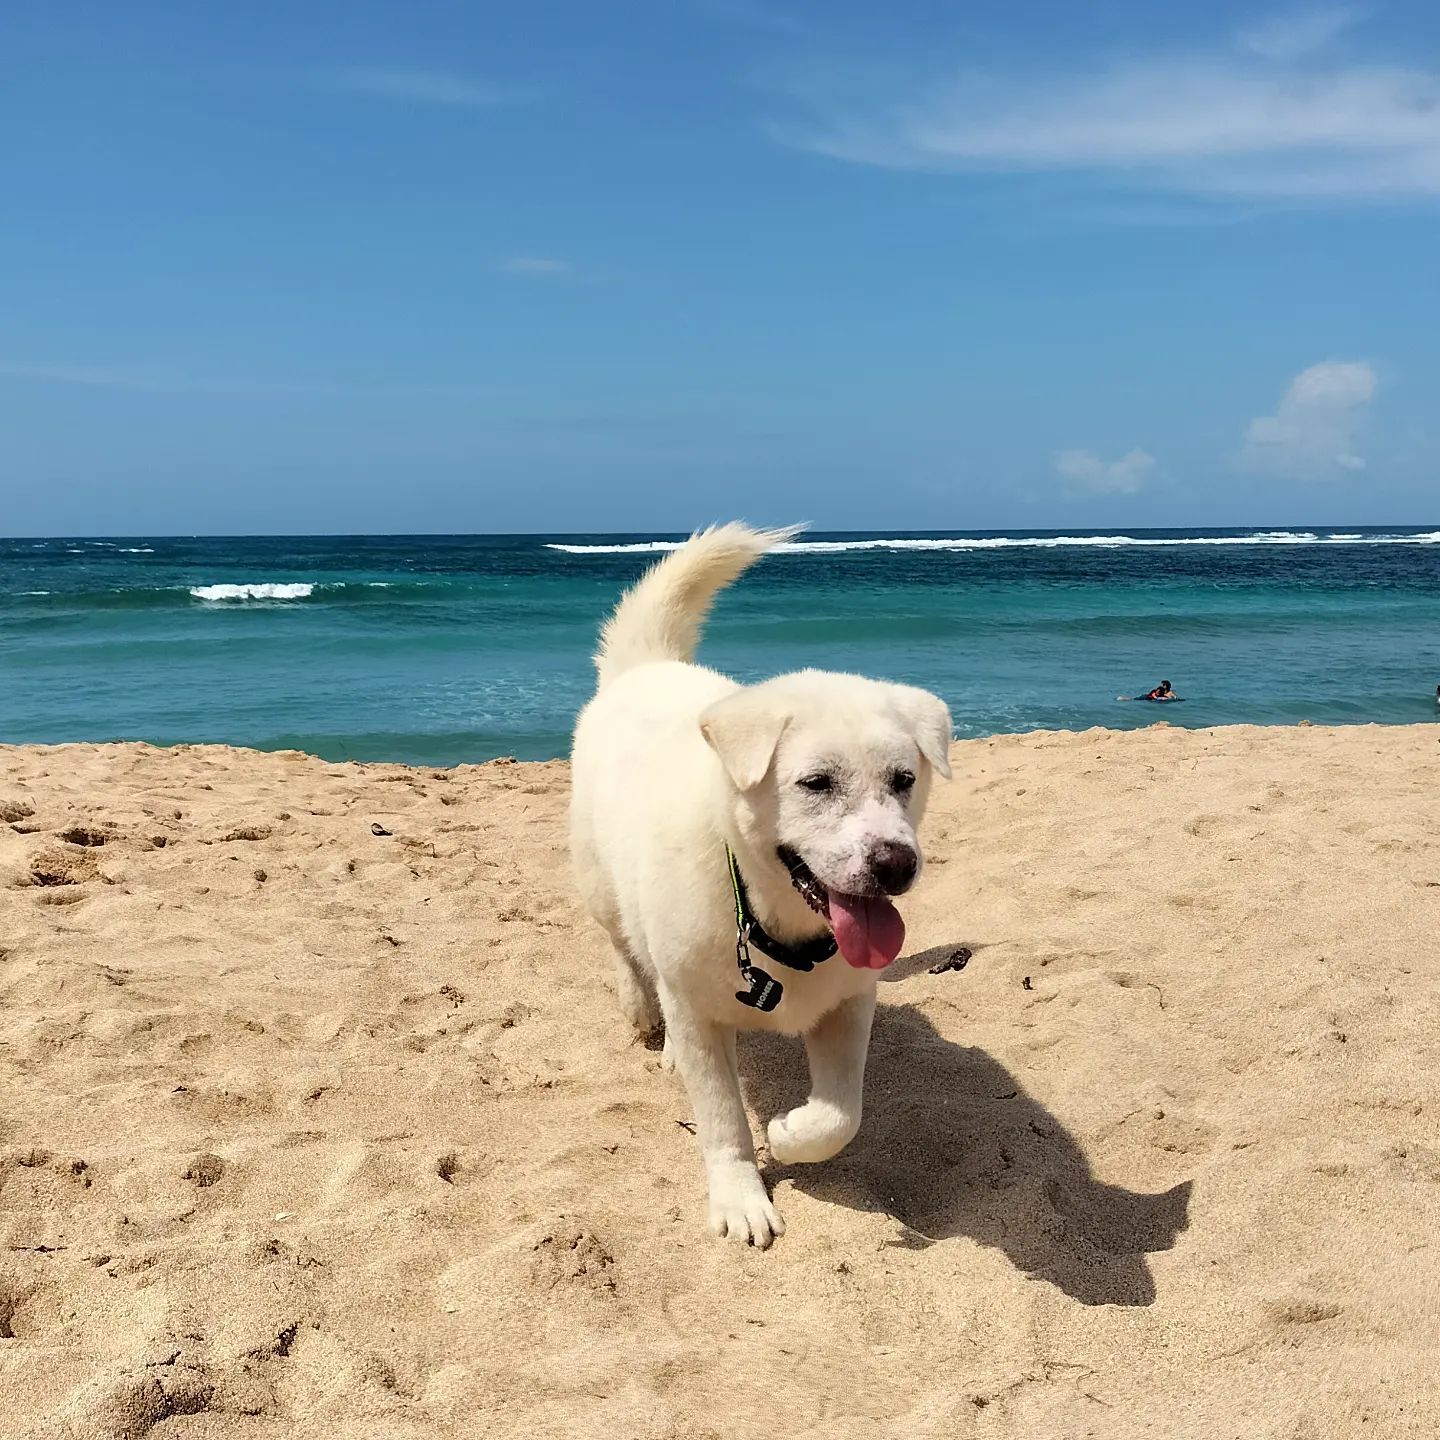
[216, 593]
[1027, 542]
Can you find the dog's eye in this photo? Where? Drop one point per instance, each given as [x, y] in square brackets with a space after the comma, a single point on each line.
[816, 783]
[902, 782]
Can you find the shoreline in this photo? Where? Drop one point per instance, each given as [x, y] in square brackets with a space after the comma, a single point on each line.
[1159, 723]
[313, 1128]
[440, 652]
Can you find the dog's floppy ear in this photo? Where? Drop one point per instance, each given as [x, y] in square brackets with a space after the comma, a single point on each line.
[743, 729]
[928, 719]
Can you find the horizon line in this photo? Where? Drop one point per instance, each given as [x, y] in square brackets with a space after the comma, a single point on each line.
[1258, 527]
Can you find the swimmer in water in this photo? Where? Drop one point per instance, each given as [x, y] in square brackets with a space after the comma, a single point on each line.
[1163, 692]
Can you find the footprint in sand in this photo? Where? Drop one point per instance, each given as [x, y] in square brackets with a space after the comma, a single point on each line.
[57, 867]
[61, 897]
[1127, 980]
[204, 1171]
[1209, 827]
[1192, 902]
[133, 1406]
[12, 1297]
[1306, 1311]
[1415, 1162]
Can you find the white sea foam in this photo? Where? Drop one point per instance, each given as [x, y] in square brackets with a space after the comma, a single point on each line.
[1026, 542]
[640, 547]
[252, 592]
[135, 550]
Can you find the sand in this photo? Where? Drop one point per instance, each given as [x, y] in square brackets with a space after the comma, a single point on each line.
[308, 1130]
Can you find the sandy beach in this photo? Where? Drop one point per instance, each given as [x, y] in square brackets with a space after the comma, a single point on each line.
[317, 1117]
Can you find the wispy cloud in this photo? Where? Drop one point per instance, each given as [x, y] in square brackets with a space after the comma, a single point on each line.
[1312, 433]
[1295, 33]
[1085, 470]
[419, 87]
[1266, 120]
[154, 379]
[170, 380]
[105, 377]
[167, 380]
[538, 267]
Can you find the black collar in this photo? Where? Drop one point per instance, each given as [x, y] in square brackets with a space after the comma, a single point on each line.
[763, 992]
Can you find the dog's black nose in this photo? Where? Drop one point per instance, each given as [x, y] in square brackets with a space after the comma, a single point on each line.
[893, 865]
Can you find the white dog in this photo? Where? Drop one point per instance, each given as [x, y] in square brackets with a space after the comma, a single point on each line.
[730, 839]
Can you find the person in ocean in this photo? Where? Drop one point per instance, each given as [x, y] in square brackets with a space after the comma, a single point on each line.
[1163, 692]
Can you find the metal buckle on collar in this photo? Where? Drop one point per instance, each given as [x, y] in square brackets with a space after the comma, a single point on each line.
[762, 991]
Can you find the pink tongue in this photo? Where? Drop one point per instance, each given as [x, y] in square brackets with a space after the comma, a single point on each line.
[868, 929]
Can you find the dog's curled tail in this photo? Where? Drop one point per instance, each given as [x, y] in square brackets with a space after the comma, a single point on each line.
[660, 616]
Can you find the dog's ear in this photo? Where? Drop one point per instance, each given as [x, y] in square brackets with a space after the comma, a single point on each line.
[743, 729]
[927, 717]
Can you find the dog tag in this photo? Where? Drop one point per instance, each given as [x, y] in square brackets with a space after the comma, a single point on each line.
[764, 992]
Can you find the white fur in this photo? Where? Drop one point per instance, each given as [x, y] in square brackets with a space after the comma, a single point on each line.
[671, 762]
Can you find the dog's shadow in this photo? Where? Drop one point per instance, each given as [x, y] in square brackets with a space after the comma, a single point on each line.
[952, 1145]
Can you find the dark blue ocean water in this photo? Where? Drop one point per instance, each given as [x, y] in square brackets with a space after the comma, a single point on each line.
[443, 649]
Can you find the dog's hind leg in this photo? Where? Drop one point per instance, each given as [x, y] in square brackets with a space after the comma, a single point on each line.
[636, 990]
[826, 1123]
[634, 987]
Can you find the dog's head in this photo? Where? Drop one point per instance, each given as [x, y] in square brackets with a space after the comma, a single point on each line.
[833, 772]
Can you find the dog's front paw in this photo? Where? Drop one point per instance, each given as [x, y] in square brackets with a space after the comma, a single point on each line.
[810, 1133]
[740, 1207]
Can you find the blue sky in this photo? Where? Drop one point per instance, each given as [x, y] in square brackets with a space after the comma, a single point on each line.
[372, 266]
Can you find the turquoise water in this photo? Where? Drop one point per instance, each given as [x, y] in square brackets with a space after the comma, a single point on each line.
[437, 650]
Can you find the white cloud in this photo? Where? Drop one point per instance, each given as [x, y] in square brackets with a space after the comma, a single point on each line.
[1272, 122]
[539, 267]
[1313, 430]
[1085, 470]
[418, 87]
[1293, 33]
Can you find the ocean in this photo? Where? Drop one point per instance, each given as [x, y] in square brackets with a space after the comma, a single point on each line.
[439, 650]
